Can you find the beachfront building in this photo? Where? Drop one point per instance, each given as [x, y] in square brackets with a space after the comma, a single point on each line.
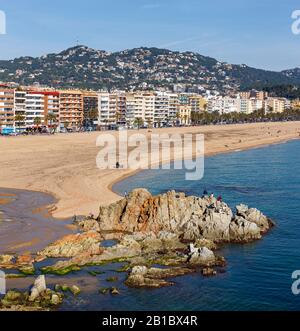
[90, 109]
[197, 103]
[71, 109]
[51, 108]
[34, 109]
[161, 109]
[276, 105]
[185, 112]
[121, 107]
[7, 108]
[295, 104]
[20, 110]
[140, 106]
[260, 95]
[248, 106]
[225, 105]
[173, 107]
[107, 109]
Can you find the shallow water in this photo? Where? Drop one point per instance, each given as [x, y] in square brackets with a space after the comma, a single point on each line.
[25, 223]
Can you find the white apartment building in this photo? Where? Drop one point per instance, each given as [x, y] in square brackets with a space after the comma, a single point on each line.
[277, 105]
[140, 105]
[20, 110]
[107, 108]
[248, 106]
[161, 111]
[34, 108]
[173, 106]
[223, 105]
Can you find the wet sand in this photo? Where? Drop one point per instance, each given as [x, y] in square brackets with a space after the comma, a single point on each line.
[26, 225]
[64, 165]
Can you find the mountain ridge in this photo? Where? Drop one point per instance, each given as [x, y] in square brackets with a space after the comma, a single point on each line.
[139, 68]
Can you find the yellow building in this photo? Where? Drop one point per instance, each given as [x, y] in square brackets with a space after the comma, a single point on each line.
[295, 104]
[185, 114]
[198, 103]
[277, 105]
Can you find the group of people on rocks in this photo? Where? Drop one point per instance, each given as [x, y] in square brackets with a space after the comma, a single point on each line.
[215, 204]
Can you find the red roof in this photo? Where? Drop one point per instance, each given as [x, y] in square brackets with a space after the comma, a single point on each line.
[45, 93]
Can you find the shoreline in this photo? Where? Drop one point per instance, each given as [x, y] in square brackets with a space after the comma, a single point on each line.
[28, 217]
[134, 172]
[64, 166]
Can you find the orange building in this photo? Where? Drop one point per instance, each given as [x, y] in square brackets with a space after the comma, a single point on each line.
[71, 109]
[7, 107]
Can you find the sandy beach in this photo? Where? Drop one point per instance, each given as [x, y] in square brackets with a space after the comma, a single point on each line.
[64, 165]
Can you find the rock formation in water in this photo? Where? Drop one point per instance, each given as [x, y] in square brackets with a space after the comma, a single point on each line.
[170, 229]
[187, 217]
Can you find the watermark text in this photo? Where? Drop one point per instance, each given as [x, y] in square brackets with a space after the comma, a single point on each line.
[296, 23]
[2, 22]
[156, 151]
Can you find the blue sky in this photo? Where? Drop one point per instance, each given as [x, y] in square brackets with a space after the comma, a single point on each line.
[257, 33]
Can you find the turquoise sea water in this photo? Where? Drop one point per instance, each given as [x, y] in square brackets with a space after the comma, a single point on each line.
[258, 275]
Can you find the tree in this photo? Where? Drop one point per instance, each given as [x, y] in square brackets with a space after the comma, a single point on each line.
[37, 121]
[19, 119]
[149, 122]
[92, 116]
[138, 121]
[51, 118]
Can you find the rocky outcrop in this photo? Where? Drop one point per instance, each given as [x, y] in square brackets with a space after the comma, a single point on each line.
[186, 217]
[158, 228]
[201, 256]
[74, 244]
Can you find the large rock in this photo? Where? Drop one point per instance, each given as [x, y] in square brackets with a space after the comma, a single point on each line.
[149, 226]
[201, 256]
[38, 288]
[255, 216]
[186, 217]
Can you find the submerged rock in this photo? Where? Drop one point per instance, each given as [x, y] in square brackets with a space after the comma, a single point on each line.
[75, 290]
[208, 272]
[141, 276]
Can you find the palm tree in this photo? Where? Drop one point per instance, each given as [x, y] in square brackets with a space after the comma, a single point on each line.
[93, 116]
[149, 122]
[37, 122]
[138, 122]
[19, 119]
[178, 117]
[51, 118]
